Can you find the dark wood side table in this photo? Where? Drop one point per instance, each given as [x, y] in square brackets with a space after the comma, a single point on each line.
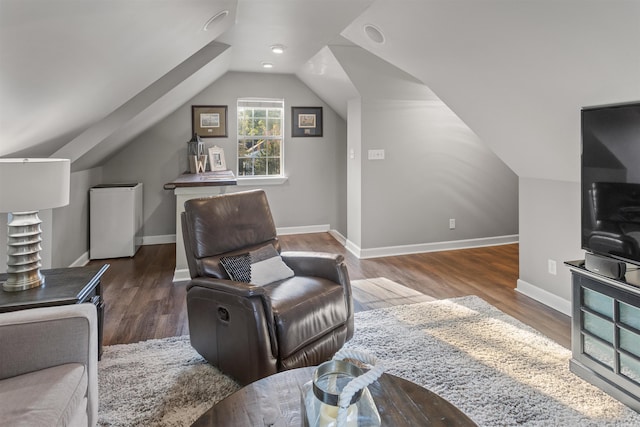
[275, 401]
[63, 286]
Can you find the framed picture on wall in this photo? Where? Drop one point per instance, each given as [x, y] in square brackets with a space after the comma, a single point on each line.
[209, 121]
[306, 121]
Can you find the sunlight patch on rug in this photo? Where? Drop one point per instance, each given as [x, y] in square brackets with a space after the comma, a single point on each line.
[493, 367]
[506, 348]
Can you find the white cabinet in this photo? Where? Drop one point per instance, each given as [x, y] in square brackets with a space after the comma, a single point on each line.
[115, 220]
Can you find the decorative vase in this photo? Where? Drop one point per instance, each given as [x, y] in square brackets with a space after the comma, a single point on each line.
[338, 395]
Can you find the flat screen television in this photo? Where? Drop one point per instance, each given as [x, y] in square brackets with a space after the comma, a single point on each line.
[611, 181]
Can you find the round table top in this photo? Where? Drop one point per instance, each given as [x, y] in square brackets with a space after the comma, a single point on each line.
[276, 401]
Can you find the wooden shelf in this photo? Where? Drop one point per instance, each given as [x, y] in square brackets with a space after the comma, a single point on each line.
[205, 179]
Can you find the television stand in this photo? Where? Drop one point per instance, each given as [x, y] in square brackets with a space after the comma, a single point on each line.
[605, 332]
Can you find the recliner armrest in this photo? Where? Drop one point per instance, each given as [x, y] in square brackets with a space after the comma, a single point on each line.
[320, 264]
[329, 266]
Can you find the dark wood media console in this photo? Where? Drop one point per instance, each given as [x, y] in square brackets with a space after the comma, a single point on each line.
[605, 332]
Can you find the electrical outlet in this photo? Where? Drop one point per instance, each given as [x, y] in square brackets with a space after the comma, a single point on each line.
[452, 223]
[375, 154]
[552, 267]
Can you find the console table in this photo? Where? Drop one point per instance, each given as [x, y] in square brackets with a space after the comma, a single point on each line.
[605, 332]
[63, 286]
[190, 186]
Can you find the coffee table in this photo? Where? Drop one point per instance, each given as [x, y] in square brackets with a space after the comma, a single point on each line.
[275, 401]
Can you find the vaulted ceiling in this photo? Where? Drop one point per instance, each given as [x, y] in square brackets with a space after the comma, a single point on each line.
[81, 78]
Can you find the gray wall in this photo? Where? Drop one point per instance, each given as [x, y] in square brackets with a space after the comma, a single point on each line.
[314, 193]
[435, 168]
[71, 223]
[549, 230]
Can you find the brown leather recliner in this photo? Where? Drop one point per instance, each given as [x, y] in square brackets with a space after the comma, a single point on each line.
[250, 331]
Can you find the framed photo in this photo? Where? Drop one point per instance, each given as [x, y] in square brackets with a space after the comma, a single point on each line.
[209, 121]
[216, 159]
[306, 121]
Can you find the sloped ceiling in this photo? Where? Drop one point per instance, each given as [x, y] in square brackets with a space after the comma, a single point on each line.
[82, 77]
[69, 64]
[327, 78]
[517, 72]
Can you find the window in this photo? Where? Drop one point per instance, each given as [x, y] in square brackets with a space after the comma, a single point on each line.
[260, 137]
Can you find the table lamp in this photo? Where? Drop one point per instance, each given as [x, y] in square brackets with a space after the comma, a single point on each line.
[26, 186]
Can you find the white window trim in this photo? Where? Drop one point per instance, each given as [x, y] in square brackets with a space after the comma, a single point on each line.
[248, 180]
[261, 180]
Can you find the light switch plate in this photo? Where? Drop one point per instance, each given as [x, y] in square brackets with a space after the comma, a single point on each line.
[375, 154]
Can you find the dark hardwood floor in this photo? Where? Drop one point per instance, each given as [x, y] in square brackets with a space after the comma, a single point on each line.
[143, 303]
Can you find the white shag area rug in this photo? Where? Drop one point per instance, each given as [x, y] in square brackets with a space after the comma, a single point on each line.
[162, 382]
[497, 370]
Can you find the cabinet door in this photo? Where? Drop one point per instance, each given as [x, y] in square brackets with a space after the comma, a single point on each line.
[607, 322]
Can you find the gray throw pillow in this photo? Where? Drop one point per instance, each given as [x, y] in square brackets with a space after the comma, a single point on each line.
[259, 267]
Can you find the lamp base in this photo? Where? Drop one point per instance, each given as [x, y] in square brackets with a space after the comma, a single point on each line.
[23, 250]
[24, 283]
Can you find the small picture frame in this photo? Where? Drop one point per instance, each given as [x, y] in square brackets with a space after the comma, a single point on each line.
[306, 121]
[216, 159]
[209, 121]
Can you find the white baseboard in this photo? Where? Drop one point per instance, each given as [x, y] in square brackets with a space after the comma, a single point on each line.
[547, 298]
[283, 231]
[429, 247]
[339, 237]
[353, 248]
[158, 240]
[81, 261]
[181, 275]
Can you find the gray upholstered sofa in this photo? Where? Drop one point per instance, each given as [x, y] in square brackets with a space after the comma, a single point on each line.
[49, 367]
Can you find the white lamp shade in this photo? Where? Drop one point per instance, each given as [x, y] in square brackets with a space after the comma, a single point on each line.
[33, 184]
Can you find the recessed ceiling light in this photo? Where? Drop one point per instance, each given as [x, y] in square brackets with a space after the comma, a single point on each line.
[374, 33]
[267, 65]
[278, 49]
[215, 19]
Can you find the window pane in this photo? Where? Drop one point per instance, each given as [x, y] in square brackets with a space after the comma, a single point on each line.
[259, 166]
[273, 148]
[274, 127]
[259, 121]
[244, 167]
[274, 166]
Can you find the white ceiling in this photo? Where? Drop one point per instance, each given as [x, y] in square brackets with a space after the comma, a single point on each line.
[304, 27]
[80, 78]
